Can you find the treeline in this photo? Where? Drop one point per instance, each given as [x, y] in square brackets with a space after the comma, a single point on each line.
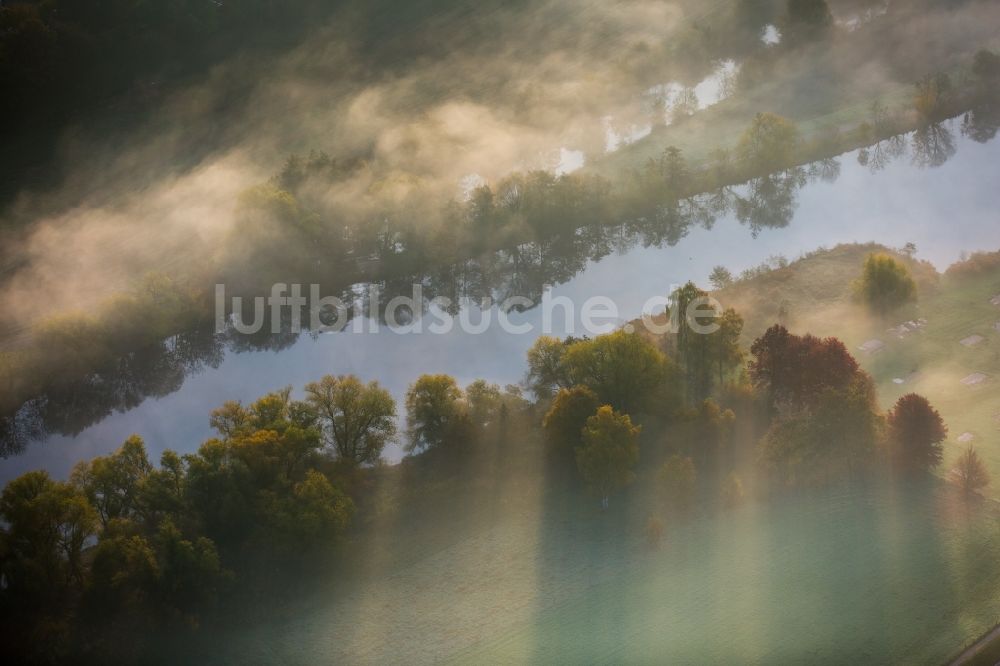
[125, 556]
[508, 238]
[391, 227]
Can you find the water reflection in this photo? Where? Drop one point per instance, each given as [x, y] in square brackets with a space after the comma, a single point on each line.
[982, 122]
[580, 258]
[933, 145]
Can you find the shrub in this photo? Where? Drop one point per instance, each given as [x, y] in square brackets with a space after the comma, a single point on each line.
[885, 284]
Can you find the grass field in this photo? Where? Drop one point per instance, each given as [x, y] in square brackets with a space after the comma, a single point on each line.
[860, 578]
[854, 576]
[816, 292]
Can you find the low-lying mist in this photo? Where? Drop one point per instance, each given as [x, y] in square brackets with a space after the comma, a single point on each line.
[467, 94]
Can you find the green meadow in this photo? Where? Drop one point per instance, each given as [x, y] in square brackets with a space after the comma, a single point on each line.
[850, 575]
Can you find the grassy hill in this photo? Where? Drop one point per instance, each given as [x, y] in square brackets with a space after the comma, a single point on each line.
[815, 294]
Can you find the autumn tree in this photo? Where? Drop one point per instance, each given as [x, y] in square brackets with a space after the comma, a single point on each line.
[358, 420]
[970, 473]
[916, 432]
[608, 453]
[485, 401]
[831, 437]
[546, 372]
[436, 413]
[565, 421]
[46, 526]
[798, 369]
[885, 284]
[624, 369]
[113, 484]
[240, 485]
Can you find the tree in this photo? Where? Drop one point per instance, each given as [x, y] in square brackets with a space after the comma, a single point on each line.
[565, 421]
[720, 277]
[831, 437]
[623, 369]
[485, 401]
[230, 419]
[692, 348]
[970, 473]
[234, 485]
[916, 431]
[724, 344]
[434, 410]
[311, 517]
[113, 484]
[191, 572]
[608, 453]
[124, 577]
[885, 284]
[704, 356]
[357, 419]
[707, 431]
[274, 411]
[140, 583]
[678, 478]
[769, 143]
[47, 524]
[546, 373]
[798, 369]
[163, 491]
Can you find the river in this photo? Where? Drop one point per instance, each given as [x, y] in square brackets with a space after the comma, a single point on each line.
[944, 210]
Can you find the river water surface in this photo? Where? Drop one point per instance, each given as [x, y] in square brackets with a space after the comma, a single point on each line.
[945, 210]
